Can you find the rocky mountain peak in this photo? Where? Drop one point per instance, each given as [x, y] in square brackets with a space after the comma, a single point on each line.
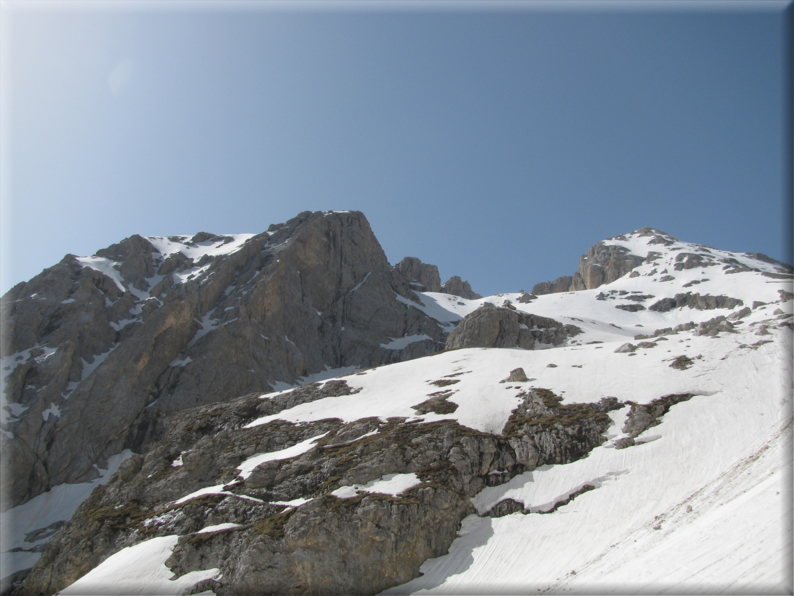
[425, 278]
[248, 413]
[420, 275]
[611, 259]
[99, 348]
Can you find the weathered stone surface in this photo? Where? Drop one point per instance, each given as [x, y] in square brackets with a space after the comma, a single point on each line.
[696, 301]
[630, 307]
[682, 362]
[457, 287]
[438, 404]
[362, 544]
[505, 507]
[626, 348]
[739, 314]
[603, 263]
[526, 298]
[314, 293]
[713, 326]
[496, 327]
[543, 431]
[424, 277]
[641, 417]
[561, 284]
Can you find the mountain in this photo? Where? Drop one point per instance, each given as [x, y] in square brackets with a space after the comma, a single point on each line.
[629, 430]
[101, 348]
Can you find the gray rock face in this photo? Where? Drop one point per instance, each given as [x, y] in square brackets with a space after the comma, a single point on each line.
[561, 284]
[496, 327]
[354, 545]
[543, 431]
[423, 277]
[526, 298]
[696, 301]
[457, 287]
[109, 357]
[641, 417]
[601, 264]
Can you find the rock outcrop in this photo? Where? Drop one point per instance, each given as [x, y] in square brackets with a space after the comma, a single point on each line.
[100, 348]
[457, 287]
[425, 278]
[421, 276]
[603, 263]
[499, 327]
[696, 301]
[608, 261]
[327, 541]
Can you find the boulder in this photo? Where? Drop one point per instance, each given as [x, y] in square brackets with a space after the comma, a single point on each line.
[496, 327]
[457, 287]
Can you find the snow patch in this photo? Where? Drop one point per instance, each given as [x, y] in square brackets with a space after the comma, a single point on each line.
[56, 505]
[139, 569]
[104, 266]
[247, 467]
[391, 484]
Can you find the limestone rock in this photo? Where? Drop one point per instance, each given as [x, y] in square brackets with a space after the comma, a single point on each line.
[517, 376]
[360, 544]
[644, 416]
[424, 276]
[457, 287]
[115, 349]
[496, 327]
[626, 348]
[601, 264]
[696, 301]
[526, 298]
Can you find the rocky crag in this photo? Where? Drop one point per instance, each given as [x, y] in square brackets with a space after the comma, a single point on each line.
[334, 542]
[98, 350]
[608, 261]
[351, 485]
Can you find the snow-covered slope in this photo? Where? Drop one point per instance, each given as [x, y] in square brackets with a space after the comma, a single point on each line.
[698, 503]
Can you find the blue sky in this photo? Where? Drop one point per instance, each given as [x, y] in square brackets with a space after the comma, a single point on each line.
[498, 141]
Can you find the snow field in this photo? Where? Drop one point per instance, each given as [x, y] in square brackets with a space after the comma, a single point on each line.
[724, 455]
[57, 504]
[696, 507]
[139, 569]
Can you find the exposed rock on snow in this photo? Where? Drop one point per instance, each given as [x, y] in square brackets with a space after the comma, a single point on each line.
[517, 375]
[239, 314]
[641, 417]
[420, 274]
[602, 264]
[696, 301]
[457, 287]
[431, 473]
[496, 327]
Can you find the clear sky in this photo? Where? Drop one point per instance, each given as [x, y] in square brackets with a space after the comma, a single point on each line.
[498, 141]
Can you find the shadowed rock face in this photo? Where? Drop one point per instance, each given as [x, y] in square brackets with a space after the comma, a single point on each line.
[96, 362]
[355, 545]
[497, 327]
[601, 264]
[457, 287]
[422, 276]
[425, 278]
